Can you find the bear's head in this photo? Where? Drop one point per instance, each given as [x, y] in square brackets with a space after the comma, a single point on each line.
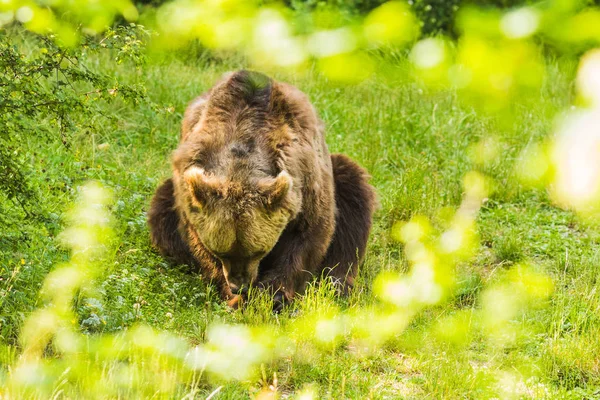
[231, 182]
[238, 222]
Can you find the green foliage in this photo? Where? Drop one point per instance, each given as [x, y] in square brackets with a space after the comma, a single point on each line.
[476, 284]
[357, 6]
[48, 91]
[436, 16]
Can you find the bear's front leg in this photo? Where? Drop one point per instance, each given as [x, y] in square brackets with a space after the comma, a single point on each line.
[279, 287]
[290, 266]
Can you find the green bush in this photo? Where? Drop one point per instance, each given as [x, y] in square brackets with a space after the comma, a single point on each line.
[435, 16]
[150, 2]
[438, 16]
[48, 92]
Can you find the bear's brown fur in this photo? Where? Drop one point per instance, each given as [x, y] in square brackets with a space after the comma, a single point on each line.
[255, 196]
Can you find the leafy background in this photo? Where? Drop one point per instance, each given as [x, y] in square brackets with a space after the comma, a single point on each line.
[480, 276]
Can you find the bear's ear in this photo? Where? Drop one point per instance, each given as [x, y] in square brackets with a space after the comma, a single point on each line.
[201, 185]
[275, 189]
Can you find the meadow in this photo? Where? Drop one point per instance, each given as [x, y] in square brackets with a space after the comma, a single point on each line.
[418, 144]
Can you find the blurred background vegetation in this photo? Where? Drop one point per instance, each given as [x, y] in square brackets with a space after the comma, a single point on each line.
[478, 121]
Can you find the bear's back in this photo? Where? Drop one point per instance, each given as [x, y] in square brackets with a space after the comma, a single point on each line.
[249, 126]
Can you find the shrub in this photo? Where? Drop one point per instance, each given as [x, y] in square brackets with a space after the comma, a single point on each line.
[436, 16]
[47, 90]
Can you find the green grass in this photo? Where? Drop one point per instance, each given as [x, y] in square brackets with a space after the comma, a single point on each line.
[416, 144]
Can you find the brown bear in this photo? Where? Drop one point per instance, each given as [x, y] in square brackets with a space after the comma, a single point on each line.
[256, 198]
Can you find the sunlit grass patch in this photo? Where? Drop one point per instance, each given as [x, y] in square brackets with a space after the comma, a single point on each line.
[507, 248]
